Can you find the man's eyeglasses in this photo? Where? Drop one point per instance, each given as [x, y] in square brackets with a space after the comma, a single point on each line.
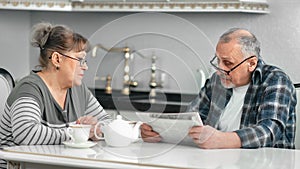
[81, 61]
[212, 62]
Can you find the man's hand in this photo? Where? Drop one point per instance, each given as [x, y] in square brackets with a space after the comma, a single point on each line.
[202, 136]
[209, 138]
[148, 135]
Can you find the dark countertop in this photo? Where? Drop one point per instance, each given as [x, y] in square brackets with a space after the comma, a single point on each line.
[142, 102]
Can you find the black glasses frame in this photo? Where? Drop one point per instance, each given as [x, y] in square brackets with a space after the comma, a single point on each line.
[228, 71]
[81, 61]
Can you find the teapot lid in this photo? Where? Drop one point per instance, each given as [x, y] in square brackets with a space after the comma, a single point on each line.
[119, 117]
[121, 126]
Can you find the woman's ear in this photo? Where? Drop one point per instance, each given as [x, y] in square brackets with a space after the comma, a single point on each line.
[55, 59]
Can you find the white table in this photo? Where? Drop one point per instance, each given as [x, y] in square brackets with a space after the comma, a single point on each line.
[150, 155]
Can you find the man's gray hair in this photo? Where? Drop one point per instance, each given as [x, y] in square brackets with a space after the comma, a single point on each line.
[249, 44]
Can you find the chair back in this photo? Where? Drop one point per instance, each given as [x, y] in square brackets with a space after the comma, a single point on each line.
[6, 85]
[297, 137]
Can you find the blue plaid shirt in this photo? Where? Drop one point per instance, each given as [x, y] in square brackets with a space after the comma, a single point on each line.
[268, 113]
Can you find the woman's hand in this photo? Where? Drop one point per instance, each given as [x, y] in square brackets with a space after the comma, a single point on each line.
[148, 135]
[91, 121]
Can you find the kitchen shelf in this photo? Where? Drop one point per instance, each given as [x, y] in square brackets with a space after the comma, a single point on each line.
[245, 6]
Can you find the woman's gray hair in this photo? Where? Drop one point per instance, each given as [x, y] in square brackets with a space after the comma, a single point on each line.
[58, 38]
[249, 44]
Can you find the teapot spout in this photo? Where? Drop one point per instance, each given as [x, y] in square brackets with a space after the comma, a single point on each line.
[136, 130]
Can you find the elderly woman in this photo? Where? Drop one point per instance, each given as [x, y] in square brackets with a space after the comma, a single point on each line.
[44, 103]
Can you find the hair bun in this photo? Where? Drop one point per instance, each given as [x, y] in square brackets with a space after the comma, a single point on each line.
[40, 34]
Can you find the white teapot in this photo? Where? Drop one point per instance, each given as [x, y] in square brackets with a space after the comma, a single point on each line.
[120, 133]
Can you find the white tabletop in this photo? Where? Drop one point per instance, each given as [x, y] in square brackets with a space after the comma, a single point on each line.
[154, 155]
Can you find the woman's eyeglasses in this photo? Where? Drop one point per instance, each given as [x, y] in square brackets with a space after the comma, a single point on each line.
[214, 64]
[81, 61]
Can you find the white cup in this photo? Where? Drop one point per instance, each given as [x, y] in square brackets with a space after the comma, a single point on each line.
[79, 133]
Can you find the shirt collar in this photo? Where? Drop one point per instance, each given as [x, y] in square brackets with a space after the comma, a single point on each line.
[257, 74]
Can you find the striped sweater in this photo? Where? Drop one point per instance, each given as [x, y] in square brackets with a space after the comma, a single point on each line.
[32, 116]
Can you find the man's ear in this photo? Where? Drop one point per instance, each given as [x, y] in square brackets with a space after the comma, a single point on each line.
[252, 64]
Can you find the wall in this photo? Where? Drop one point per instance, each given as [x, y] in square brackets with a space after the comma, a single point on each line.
[14, 40]
[183, 42]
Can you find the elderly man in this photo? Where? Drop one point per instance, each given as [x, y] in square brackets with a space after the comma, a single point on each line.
[245, 103]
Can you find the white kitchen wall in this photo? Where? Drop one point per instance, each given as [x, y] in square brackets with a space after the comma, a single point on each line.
[183, 42]
[14, 46]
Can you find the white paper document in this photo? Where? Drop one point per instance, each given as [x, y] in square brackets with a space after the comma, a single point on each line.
[172, 127]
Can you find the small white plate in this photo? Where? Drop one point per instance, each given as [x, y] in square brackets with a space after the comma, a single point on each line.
[87, 144]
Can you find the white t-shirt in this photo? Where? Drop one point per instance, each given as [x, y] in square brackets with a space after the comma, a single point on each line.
[231, 117]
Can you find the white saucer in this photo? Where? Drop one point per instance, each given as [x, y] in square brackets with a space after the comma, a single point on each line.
[87, 144]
